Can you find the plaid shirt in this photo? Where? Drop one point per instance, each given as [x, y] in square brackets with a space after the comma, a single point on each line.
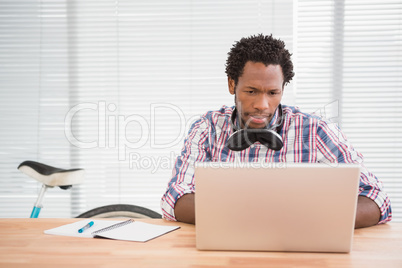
[306, 139]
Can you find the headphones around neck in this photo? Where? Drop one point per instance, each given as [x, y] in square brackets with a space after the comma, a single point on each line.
[243, 138]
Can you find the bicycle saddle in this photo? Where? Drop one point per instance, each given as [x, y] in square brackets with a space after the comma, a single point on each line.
[52, 176]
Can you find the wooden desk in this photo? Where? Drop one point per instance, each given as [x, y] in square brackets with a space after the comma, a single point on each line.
[23, 244]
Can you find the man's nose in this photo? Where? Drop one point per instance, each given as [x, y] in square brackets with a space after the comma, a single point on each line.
[261, 102]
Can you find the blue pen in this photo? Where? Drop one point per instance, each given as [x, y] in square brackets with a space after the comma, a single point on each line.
[86, 226]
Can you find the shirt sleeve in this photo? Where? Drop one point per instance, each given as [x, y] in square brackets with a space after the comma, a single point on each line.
[333, 147]
[196, 148]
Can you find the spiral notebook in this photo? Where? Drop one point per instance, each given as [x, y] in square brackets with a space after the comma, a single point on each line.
[128, 230]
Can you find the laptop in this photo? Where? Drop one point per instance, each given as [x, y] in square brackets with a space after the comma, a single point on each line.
[275, 207]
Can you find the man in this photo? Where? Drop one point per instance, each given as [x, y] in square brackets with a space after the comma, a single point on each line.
[258, 68]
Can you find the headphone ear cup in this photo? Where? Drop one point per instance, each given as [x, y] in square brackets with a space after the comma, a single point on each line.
[270, 139]
[240, 140]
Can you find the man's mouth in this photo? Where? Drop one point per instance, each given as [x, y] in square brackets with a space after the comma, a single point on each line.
[257, 119]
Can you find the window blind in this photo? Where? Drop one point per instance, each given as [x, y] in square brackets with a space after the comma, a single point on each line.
[34, 98]
[112, 87]
[349, 57]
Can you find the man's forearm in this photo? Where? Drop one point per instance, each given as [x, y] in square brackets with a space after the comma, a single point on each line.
[184, 209]
[367, 213]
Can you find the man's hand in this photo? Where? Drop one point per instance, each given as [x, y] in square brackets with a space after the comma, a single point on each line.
[367, 213]
[184, 209]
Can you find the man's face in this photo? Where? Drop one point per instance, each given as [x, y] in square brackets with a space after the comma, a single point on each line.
[258, 93]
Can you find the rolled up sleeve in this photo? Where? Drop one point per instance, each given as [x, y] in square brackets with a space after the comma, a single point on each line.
[196, 148]
[334, 147]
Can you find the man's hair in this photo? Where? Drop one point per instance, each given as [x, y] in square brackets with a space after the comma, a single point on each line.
[259, 48]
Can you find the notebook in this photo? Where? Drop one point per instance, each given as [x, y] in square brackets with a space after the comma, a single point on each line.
[128, 230]
[287, 207]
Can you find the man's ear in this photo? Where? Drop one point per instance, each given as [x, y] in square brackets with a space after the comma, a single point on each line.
[231, 85]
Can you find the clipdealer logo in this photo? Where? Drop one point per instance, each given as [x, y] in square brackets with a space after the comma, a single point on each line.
[112, 127]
